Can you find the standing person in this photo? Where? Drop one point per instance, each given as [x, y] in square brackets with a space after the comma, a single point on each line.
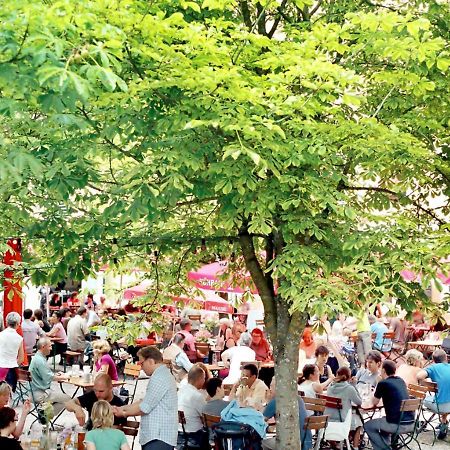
[159, 408]
[364, 341]
[43, 300]
[12, 350]
[103, 436]
[42, 377]
[7, 428]
[439, 373]
[77, 330]
[392, 390]
[31, 331]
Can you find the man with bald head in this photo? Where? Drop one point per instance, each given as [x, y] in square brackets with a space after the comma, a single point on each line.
[103, 390]
[42, 377]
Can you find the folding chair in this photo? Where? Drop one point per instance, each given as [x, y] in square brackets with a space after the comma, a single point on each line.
[133, 371]
[130, 428]
[187, 444]
[24, 391]
[337, 431]
[402, 439]
[209, 420]
[318, 424]
[316, 405]
[388, 338]
[431, 388]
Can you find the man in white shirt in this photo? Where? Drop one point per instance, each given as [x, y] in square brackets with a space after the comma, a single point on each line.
[77, 330]
[249, 390]
[31, 331]
[191, 401]
[234, 356]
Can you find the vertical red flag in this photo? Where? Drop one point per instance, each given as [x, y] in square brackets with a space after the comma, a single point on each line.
[12, 294]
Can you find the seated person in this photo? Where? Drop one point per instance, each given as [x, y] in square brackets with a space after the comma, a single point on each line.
[270, 411]
[260, 346]
[325, 371]
[7, 428]
[439, 373]
[58, 333]
[178, 357]
[392, 390]
[103, 390]
[372, 373]
[414, 363]
[216, 403]
[42, 377]
[103, 363]
[103, 435]
[234, 356]
[192, 402]
[5, 396]
[55, 301]
[379, 328]
[249, 390]
[341, 388]
[309, 382]
[307, 343]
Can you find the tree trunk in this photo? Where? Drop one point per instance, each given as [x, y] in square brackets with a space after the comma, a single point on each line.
[284, 331]
[286, 365]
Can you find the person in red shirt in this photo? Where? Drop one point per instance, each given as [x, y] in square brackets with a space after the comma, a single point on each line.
[260, 346]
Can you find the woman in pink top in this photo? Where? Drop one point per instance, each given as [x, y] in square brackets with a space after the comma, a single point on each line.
[58, 333]
[103, 361]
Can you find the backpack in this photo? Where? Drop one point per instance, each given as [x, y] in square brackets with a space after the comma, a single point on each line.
[235, 436]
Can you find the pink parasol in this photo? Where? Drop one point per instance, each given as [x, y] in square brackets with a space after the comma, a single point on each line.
[211, 277]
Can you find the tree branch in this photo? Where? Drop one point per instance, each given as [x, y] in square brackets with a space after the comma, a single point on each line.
[246, 14]
[397, 195]
[280, 10]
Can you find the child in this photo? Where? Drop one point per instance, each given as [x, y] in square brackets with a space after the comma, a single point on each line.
[103, 436]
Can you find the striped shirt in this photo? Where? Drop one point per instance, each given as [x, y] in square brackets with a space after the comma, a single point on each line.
[160, 409]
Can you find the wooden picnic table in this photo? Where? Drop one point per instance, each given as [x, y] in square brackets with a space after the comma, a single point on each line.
[81, 382]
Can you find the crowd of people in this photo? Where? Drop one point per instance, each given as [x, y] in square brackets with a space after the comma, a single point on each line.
[347, 358]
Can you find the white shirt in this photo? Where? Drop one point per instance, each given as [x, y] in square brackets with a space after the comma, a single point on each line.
[76, 331]
[191, 402]
[92, 318]
[10, 342]
[237, 355]
[31, 331]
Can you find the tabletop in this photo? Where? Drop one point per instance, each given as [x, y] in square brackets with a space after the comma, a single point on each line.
[426, 343]
[83, 383]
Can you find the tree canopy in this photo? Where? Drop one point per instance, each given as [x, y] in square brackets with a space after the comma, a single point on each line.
[309, 138]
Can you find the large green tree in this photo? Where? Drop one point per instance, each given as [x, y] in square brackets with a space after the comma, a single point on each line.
[305, 138]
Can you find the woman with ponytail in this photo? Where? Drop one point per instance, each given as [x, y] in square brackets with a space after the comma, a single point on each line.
[341, 388]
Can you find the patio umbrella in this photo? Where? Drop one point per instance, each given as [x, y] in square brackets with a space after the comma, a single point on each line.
[211, 277]
[211, 303]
